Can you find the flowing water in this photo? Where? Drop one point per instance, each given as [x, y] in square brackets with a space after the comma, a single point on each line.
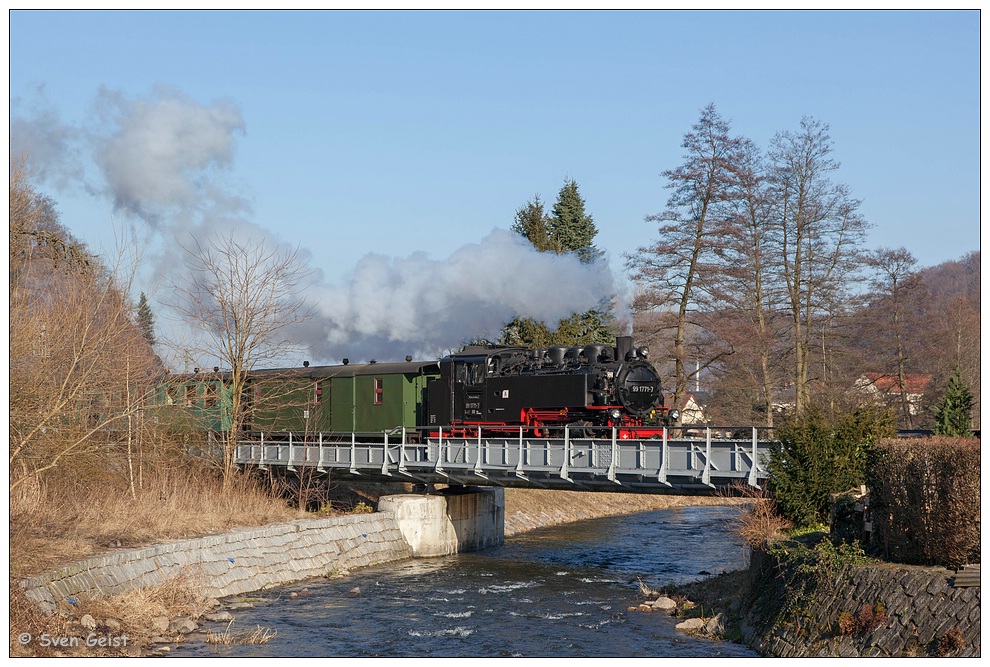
[553, 592]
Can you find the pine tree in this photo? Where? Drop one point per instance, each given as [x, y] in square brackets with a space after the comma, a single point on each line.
[953, 415]
[574, 229]
[533, 223]
[567, 229]
[146, 320]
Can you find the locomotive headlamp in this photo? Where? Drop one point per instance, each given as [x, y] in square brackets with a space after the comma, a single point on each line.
[674, 415]
[615, 413]
[643, 352]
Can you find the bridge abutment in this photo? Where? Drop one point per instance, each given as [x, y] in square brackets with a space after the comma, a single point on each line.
[449, 522]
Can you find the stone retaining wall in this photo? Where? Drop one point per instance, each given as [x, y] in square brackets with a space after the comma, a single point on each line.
[232, 563]
[921, 604]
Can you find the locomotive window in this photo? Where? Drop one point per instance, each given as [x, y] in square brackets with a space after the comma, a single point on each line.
[379, 391]
[317, 391]
[190, 395]
[471, 373]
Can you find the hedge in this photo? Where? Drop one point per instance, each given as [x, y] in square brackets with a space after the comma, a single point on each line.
[925, 500]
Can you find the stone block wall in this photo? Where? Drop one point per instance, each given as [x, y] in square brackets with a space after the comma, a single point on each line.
[921, 604]
[232, 563]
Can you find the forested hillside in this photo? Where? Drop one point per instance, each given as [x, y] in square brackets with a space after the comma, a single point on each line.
[927, 333]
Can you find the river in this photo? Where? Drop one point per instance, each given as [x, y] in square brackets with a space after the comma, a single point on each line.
[553, 592]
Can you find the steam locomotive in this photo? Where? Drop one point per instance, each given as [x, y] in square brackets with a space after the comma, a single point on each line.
[546, 389]
[494, 389]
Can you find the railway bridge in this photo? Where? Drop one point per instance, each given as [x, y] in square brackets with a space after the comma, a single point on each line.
[683, 462]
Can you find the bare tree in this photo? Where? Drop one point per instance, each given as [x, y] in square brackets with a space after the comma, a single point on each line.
[751, 288]
[79, 368]
[245, 299]
[894, 278]
[679, 272]
[819, 233]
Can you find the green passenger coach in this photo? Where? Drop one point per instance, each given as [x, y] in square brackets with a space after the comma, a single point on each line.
[303, 401]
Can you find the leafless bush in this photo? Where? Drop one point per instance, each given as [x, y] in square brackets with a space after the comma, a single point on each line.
[762, 523]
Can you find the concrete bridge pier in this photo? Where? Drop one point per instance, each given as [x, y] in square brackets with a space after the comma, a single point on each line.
[450, 521]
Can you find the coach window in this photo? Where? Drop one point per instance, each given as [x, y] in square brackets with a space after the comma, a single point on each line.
[211, 395]
[190, 395]
[379, 391]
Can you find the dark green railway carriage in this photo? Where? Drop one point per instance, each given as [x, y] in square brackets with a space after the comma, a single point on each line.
[193, 402]
[303, 401]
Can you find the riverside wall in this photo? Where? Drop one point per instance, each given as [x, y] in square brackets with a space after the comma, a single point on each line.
[232, 563]
[922, 613]
[254, 559]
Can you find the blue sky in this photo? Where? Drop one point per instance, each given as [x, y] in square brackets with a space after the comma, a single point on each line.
[350, 133]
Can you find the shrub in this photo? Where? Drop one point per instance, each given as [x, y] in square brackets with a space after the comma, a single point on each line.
[925, 500]
[953, 415]
[762, 523]
[867, 620]
[820, 455]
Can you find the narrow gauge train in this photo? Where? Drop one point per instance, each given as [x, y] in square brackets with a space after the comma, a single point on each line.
[495, 388]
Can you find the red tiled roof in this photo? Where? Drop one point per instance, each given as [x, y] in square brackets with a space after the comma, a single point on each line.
[914, 383]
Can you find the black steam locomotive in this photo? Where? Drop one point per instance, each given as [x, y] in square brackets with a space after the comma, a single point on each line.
[546, 389]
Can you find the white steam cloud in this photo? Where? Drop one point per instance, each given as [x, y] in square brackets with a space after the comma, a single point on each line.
[418, 305]
[162, 159]
[154, 157]
[163, 151]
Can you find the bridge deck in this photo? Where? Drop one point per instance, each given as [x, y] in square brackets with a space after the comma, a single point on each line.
[683, 466]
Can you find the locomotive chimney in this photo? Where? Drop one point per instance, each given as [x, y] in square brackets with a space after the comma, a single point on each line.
[623, 348]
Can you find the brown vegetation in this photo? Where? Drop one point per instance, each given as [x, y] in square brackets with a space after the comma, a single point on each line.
[925, 500]
[120, 625]
[61, 522]
[763, 523]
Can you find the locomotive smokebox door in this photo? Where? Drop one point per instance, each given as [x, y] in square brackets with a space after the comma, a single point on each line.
[638, 388]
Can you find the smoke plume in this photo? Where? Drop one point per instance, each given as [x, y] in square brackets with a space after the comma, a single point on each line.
[420, 306]
[164, 160]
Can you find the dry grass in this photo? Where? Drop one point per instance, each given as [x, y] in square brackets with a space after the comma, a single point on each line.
[762, 524]
[258, 635]
[124, 623]
[526, 509]
[64, 520]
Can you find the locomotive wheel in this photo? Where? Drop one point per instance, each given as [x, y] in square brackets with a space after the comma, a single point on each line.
[578, 431]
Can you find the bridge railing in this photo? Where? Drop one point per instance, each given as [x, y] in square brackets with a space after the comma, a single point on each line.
[580, 458]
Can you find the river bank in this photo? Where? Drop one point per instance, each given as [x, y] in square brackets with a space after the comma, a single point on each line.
[915, 611]
[872, 610]
[912, 611]
[529, 509]
[241, 561]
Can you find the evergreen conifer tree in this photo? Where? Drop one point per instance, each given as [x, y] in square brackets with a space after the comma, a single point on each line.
[567, 229]
[146, 320]
[571, 225]
[953, 415]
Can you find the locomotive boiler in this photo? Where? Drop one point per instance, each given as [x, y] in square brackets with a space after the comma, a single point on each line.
[493, 388]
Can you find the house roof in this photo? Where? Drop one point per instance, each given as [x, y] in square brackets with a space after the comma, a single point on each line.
[914, 383]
